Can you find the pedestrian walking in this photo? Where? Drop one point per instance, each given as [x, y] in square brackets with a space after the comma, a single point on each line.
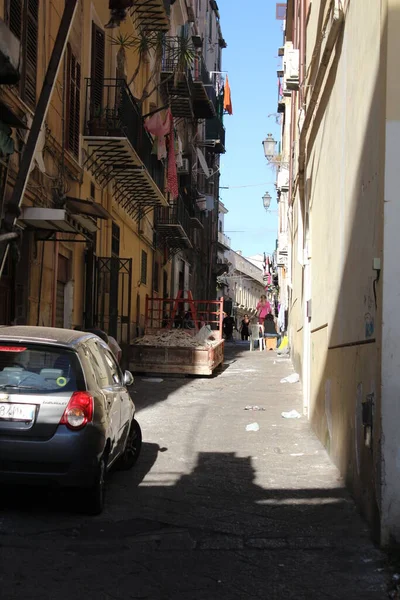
[228, 325]
[244, 328]
[263, 309]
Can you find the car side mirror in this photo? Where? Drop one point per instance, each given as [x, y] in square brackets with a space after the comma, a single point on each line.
[128, 378]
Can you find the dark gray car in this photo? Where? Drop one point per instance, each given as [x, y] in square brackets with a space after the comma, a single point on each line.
[65, 414]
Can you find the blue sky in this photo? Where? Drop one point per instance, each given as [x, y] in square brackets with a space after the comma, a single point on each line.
[253, 36]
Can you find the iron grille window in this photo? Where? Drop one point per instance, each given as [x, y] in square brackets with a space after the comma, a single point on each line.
[73, 111]
[156, 277]
[115, 239]
[22, 17]
[143, 269]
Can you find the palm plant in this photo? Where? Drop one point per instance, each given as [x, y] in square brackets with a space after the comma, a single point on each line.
[155, 45]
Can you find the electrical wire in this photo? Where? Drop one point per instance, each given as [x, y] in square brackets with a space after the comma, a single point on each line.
[233, 187]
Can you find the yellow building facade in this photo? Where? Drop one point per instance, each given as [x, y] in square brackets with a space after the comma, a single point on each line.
[94, 262]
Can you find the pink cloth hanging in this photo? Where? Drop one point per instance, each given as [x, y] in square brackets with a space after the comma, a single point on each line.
[159, 128]
[172, 177]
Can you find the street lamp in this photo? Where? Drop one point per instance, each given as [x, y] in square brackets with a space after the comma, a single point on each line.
[269, 147]
[267, 200]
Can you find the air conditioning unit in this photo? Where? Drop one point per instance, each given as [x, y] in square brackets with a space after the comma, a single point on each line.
[185, 166]
[291, 64]
[282, 182]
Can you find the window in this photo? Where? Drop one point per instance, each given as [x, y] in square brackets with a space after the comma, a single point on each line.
[73, 99]
[115, 239]
[39, 368]
[22, 18]
[156, 277]
[143, 270]
[101, 371]
[116, 373]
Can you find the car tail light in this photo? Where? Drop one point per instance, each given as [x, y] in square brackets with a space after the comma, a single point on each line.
[79, 411]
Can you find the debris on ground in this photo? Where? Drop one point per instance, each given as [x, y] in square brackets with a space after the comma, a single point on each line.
[294, 378]
[293, 414]
[178, 338]
[254, 408]
[153, 379]
[394, 588]
[252, 427]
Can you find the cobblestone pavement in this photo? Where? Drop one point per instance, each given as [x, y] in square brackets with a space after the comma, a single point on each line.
[211, 512]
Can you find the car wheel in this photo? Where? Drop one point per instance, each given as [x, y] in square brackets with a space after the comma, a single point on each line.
[95, 496]
[132, 447]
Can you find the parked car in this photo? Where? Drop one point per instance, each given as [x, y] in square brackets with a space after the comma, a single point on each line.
[66, 416]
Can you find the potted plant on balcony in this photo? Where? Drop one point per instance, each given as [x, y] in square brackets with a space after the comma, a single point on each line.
[150, 47]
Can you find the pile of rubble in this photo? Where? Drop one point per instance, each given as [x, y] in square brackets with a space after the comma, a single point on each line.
[178, 338]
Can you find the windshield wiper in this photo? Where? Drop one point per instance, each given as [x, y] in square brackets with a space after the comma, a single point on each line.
[11, 386]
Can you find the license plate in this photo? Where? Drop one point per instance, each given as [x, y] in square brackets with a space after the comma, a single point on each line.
[17, 412]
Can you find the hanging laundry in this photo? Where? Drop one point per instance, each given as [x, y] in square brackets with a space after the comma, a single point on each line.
[172, 176]
[159, 128]
[227, 97]
[178, 151]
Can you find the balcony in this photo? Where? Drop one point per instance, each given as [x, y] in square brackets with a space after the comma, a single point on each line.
[152, 15]
[177, 84]
[119, 148]
[204, 94]
[173, 223]
[215, 135]
[224, 240]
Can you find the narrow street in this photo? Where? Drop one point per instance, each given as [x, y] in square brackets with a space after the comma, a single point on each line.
[211, 512]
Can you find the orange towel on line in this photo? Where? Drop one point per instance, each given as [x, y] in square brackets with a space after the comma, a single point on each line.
[227, 97]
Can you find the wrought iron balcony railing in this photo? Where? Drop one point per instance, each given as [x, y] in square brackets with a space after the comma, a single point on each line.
[215, 135]
[205, 96]
[174, 224]
[112, 111]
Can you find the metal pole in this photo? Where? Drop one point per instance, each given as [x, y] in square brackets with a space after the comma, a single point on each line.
[12, 209]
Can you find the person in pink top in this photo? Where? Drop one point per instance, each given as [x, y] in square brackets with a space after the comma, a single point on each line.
[263, 309]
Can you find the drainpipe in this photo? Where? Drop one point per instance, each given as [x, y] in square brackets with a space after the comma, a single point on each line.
[332, 24]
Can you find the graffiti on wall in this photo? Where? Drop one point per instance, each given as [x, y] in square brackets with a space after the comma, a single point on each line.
[369, 325]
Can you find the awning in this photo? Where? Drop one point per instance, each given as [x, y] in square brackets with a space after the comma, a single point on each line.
[10, 118]
[203, 162]
[76, 206]
[56, 219]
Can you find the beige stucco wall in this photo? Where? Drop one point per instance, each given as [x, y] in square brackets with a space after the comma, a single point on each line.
[344, 192]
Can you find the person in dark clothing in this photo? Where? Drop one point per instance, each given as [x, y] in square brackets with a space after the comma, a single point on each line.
[244, 328]
[99, 332]
[270, 329]
[228, 324]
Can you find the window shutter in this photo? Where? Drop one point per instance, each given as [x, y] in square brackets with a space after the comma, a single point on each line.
[73, 103]
[143, 273]
[14, 17]
[97, 69]
[30, 54]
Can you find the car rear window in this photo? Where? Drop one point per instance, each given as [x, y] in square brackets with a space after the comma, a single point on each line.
[33, 368]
